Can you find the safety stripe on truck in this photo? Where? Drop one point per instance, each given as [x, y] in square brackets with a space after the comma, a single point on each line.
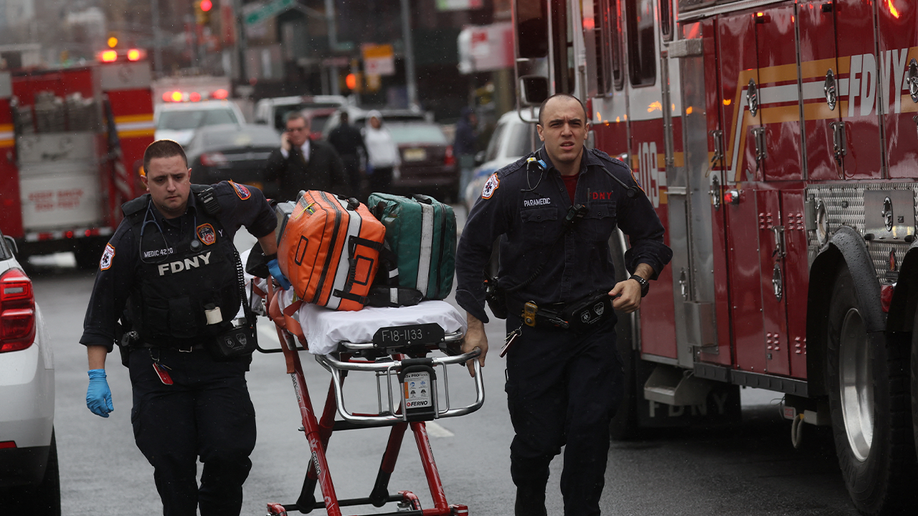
[69, 233]
[7, 138]
[133, 126]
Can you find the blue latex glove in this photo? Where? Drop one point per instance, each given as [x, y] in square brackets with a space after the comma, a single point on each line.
[99, 396]
[274, 268]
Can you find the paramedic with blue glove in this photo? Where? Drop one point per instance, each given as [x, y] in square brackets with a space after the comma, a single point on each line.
[554, 214]
[168, 282]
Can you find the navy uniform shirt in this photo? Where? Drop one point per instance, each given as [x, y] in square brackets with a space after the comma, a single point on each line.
[241, 205]
[526, 206]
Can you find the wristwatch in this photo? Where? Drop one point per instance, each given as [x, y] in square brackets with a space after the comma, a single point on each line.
[645, 285]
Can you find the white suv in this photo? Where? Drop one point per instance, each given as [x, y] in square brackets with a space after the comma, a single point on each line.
[29, 479]
[179, 121]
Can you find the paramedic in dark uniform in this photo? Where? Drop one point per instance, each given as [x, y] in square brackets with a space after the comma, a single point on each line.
[172, 258]
[563, 385]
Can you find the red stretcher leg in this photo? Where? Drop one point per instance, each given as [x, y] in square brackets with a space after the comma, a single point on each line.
[430, 468]
[380, 492]
[311, 427]
[326, 425]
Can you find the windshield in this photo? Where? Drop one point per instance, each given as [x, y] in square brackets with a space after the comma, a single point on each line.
[520, 139]
[240, 138]
[417, 133]
[180, 120]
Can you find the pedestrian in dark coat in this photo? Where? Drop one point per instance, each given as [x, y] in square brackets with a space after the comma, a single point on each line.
[348, 142]
[304, 164]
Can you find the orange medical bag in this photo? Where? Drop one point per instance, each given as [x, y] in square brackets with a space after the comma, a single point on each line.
[329, 249]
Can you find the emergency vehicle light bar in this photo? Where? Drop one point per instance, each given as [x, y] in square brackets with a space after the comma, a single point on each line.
[194, 96]
[114, 56]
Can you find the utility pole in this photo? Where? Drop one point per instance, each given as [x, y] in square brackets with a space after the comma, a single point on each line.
[332, 44]
[240, 40]
[157, 44]
[410, 77]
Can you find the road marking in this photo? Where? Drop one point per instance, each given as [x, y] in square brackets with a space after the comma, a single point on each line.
[436, 430]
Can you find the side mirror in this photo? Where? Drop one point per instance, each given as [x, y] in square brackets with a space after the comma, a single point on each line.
[11, 243]
[479, 157]
[534, 89]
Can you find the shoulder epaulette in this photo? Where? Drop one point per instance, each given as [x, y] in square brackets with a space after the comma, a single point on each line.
[206, 196]
[135, 205]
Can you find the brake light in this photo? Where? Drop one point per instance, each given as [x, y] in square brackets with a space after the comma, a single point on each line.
[214, 159]
[449, 158]
[17, 311]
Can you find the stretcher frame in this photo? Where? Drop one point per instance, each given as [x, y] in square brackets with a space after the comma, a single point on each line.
[366, 357]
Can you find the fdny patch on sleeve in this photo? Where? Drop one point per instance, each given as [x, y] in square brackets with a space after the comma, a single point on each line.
[107, 257]
[490, 187]
[241, 190]
[637, 182]
[206, 234]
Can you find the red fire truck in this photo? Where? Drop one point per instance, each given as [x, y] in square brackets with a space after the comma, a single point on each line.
[778, 141]
[70, 142]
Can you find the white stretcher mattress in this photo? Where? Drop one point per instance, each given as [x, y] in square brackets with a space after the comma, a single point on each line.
[325, 328]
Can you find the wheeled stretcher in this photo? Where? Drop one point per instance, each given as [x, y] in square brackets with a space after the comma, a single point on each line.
[407, 349]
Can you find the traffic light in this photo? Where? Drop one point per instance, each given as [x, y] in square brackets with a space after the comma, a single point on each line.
[202, 9]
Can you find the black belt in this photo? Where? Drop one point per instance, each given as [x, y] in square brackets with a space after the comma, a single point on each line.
[579, 316]
[547, 316]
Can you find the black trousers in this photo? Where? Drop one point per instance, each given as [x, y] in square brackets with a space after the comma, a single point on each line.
[381, 180]
[206, 413]
[562, 390]
[351, 164]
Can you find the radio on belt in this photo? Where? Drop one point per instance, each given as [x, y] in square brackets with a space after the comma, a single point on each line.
[419, 389]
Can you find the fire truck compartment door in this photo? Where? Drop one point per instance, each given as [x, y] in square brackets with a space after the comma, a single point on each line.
[60, 195]
[53, 148]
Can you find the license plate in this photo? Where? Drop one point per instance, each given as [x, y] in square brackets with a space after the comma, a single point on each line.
[415, 154]
[411, 335]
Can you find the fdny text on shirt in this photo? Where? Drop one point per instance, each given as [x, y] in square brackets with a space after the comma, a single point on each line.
[184, 265]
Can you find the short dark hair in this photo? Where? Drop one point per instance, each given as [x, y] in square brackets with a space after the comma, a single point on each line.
[163, 149]
[295, 115]
[567, 95]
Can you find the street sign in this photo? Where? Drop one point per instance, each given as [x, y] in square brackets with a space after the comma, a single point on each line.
[378, 59]
[268, 10]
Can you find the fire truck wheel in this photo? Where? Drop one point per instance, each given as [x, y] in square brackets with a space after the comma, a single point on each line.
[624, 425]
[868, 400]
[915, 383]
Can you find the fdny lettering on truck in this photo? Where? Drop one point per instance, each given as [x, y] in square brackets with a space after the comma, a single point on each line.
[183, 265]
[867, 85]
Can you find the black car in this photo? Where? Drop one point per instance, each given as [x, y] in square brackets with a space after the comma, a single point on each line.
[231, 152]
[428, 164]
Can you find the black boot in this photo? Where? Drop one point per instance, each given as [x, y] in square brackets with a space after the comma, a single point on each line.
[530, 501]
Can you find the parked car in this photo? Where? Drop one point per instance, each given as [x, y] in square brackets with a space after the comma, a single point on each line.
[512, 139]
[318, 119]
[232, 152]
[29, 477]
[428, 164]
[273, 111]
[180, 121]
